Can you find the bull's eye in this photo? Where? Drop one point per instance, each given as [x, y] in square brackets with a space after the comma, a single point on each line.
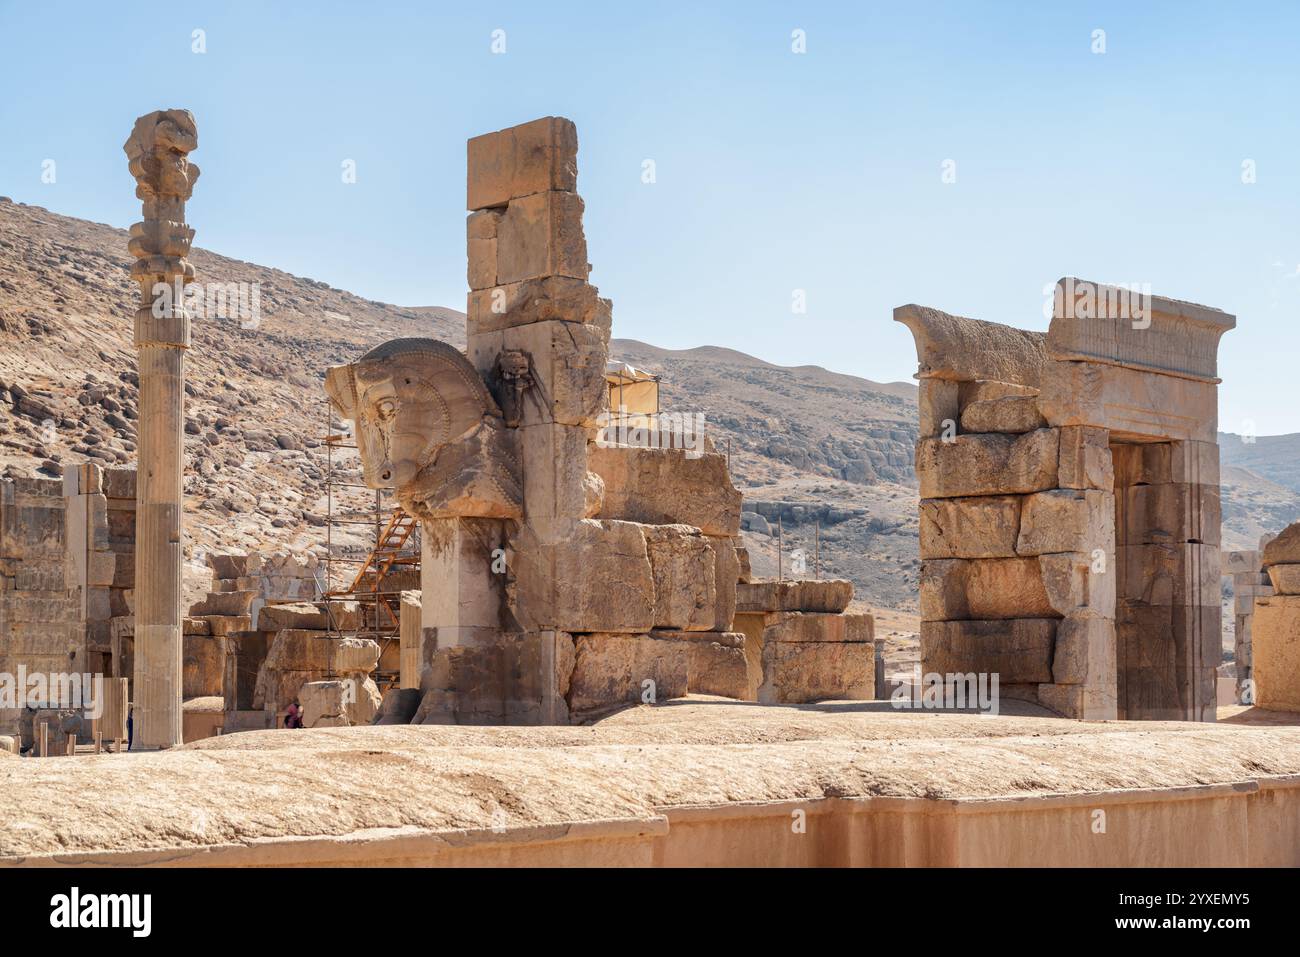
[386, 409]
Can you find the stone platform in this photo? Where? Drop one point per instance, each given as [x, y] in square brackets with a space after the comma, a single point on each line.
[697, 781]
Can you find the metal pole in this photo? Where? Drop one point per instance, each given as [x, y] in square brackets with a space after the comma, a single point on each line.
[817, 547]
[779, 537]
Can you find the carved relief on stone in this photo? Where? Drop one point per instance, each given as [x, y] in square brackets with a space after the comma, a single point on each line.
[427, 427]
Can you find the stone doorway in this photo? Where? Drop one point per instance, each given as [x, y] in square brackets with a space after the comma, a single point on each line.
[1167, 617]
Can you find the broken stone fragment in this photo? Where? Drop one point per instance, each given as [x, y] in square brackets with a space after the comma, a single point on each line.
[824, 595]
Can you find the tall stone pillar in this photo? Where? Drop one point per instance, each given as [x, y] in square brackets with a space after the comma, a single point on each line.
[157, 151]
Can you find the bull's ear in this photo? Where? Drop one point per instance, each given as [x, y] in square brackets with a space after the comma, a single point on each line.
[341, 387]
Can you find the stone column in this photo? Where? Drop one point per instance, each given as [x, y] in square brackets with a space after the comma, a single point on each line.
[157, 151]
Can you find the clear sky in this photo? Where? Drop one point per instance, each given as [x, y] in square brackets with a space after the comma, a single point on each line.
[775, 171]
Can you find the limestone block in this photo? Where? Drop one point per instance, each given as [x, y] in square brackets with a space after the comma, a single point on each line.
[982, 588]
[299, 614]
[597, 578]
[1177, 574]
[1083, 702]
[803, 671]
[939, 407]
[1011, 414]
[541, 235]
[682, 562]
[521, 160]
[398, 706]
[984, 527]
[345, 702]
[746, 572]
[355, 655]
[463, 584]
[233, 564]
[554, 468]
[481, 244]
[568, 368]
[717, 664]
[1085, 459]
[1067, 520]
[1283, 549]
[514, 679]
[1240, 563]
[667, 486]
[1085, 651]
[1076, 582]
[800, 627]
[1018, 650]
[1127, 400]
[346, 615]
[987, 464]
[1285, 579]
[726, 577]
[203, 666]
[1171, 512]
[101, 568]
[221, 625]
[613, 670]
[824, 595]
[224, 603]
[1276, 649]
[536, 300]
[191, 626]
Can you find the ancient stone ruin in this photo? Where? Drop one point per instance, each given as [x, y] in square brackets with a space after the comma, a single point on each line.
[158, 151]
[1070, 502]
[564, 572]
[1276, 628]
[1249, 581]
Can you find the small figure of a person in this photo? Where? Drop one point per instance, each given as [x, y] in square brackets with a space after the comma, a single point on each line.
[293, 715]
[130, 726]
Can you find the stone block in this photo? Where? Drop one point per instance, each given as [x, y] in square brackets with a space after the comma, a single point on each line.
[726, 577]
[1177, 574]
[554, 467]
[1082, 702]
[1018, 650]
[481, 245]
[1276, 650]
[1085, 459]
[717, 664]
[970, 527]
[667, 486]
[522, 160]
[1067, 520]
[800, 627]
[298, 614]
[346, 615]
[1009, 414]
[233, 564]
[1085, 651]
[514, 679]
[224, 603]
[541, 235]
[971, 465]
[101, 568]
[398, 706]
[939, 407]
[1285, 579]
[1240, 563]
[803, 671]
[355, 655]
[1129, 401]
[824, 595]
[339, 703]
[222, 625]
[1284, 549]
[982, 588]
[507, 305]
[1078, 582]
[616, 670]
[973, 392]
[568, 366]
[597, 578]
[683, 564]
[203, 666]
[190, 626]
[1171, 512]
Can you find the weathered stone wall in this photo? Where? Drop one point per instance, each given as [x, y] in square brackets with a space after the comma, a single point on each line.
[66, 573]
[1250, 580]
[1069, 524]
[1276, 626]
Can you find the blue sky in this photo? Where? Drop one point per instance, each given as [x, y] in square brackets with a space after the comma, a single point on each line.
[775, 171]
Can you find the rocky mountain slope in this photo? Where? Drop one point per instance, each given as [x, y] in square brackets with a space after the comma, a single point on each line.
[824, 460]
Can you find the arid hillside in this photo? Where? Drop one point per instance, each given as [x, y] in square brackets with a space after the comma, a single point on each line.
[824, 460]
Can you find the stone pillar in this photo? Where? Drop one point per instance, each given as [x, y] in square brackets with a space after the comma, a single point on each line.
[157, 151]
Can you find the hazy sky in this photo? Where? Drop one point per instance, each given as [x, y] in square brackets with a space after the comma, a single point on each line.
[775, 171]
